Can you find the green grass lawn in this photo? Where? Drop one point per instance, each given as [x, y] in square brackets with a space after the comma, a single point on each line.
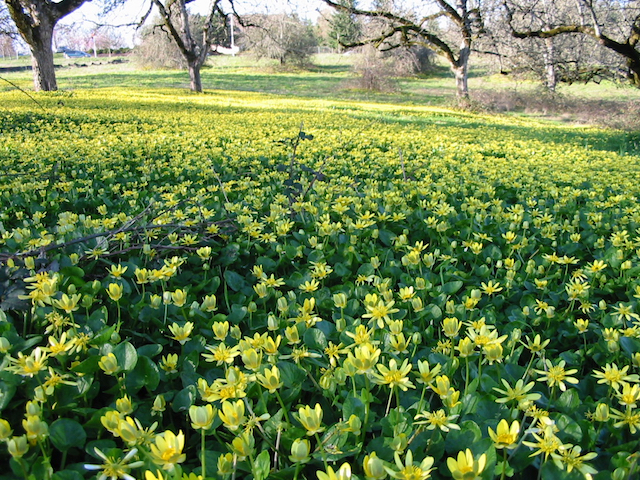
[329, 76]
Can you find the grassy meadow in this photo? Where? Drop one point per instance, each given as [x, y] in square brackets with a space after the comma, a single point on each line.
[286, 277]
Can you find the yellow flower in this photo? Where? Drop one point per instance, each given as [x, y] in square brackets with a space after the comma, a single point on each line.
[220, 330]
[169, 363]
[465, 466]
[181, 333]
[373, 467]
[409, 470]
[629, 417]
[179, 298]
[117, 270]
[243, 445]
[465, 347]
[427, 374]
[536, 346]
[232, 414]
[519, 393]
[364, 358]
[252, 359]
[68, 303]
[490, 288]
[142, 275]
[149, 475]
[340, 300]
[221, 354]
[310, 286]
[557, 375]
[546, 444]
[505, 436]
[109, 364]
[614, 377]
[570, 458]
[202, 417]
[114, 290]
[28, 366]
[311, 420]
[343, 473]
[629, 396]
[18, 446]
[492, 352]
[379, 313]
[270, 379]
[394, 376]
[438, 419]
[300, 449]
[225, 464]
[115, 468]
[451, 326]
[35, 428]
[166, 451]
[124, 405]
[602, 413]
[209, 304]
[5, 430]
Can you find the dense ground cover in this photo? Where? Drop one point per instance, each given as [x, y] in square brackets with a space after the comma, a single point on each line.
[262, 286]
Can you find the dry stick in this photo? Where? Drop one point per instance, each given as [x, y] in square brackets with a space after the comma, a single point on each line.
[23, 91]
[110, 233]
[221, 186]
[404, 173]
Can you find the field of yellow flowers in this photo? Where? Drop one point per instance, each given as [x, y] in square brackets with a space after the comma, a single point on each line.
[243, 286]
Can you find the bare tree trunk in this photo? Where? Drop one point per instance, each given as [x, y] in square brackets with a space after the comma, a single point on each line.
[550, 64]
[44, 75]
[194, 76]
[461, 73]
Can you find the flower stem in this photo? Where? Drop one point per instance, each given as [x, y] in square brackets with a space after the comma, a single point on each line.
[202, 454]
[284, 409]
[322, 452]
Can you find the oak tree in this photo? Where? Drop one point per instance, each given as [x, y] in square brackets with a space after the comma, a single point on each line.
[35, 20]
[447, 27]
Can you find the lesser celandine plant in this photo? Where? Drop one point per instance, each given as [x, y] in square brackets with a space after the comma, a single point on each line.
[192, 289]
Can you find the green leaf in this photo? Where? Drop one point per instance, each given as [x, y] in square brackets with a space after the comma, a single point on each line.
[90, 365]
[569, 401]
[66, 475]
[145, 374]
[235, 281]
[7, 392]
[65, 433]
[238, 312]
[149, 350]
[103, 336]
[261, 464]
[292, 375]
[452, 287]
[184, 399]
[315, 339]
[229, 254]
[127, 356]
[468, 434]
[435, 311]
[352, 406]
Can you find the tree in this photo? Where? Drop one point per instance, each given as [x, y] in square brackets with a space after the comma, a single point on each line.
[7, 33]
[35, 20]
[159, 50]
[175, 18]
[283, 37]
[448, 27]
[614, 24]
[344, 26]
